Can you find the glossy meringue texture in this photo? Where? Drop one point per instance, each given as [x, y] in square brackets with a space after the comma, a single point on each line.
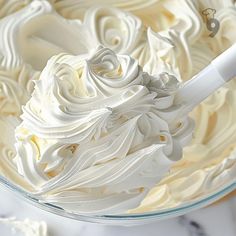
[98, 132]
[177, 42]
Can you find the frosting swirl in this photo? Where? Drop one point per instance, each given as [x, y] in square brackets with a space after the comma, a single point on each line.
[10, 6]
[32, 39]
[210, 160]
[176, 43]
[113, 28]
[97, 132]
[8, 168]
[15, 89]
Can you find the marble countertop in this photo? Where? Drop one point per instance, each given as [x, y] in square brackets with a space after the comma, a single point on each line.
[216, 220]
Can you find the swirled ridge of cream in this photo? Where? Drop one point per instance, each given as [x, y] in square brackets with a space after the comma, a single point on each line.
[32, 40]
[209, 163]
[36, 36]
[8, 169]
[210, 160]
[180, 22]
[183, 188]
[8, 7]
[178, 32]
[151, 12]
[98, 132]
[15, 89]
[76, 9]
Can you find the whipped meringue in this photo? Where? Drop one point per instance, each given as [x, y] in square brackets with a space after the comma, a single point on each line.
[164, 37]
[8, 168]
[210, 159]
[95, 135]
[110, 27]
[33, 38]
[28, 227]
[8, 7]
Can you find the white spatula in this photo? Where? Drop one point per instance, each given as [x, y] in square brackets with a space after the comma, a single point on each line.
[221, 70]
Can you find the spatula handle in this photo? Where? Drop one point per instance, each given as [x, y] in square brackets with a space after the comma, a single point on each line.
[215, 75]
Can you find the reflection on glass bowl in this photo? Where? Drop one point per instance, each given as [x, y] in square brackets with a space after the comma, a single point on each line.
[124, 219]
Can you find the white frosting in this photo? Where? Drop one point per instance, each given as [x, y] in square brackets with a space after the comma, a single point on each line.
[210, 161]
[27, 227]
[34, 37]
[76, 9]
[15, 89]
[8, 7]
[118, 30]
[33, 40]
[178, 43]
[8, 168]
[96, 135]
[188, 184]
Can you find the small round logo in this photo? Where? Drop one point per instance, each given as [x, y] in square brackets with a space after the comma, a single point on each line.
[213, 25]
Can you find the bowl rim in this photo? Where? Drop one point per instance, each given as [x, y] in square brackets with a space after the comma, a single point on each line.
[132, 218]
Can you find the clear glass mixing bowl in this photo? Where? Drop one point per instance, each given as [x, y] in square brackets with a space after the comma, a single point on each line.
[124, 219]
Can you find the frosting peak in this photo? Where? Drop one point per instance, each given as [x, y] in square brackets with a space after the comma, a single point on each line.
[96, 132]
[89, 113]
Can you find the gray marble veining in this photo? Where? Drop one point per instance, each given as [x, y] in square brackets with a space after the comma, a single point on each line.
[193, 227]
[232, 208]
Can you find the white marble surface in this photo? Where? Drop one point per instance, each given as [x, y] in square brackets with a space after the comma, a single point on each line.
[217, 220]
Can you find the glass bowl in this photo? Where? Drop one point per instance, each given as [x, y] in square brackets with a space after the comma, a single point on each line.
[123, 219]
